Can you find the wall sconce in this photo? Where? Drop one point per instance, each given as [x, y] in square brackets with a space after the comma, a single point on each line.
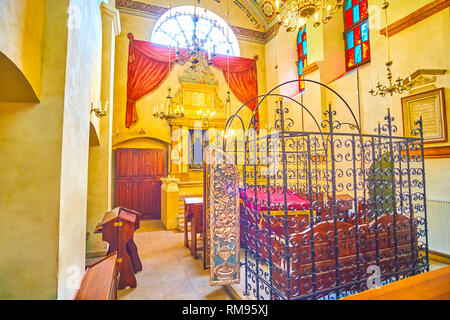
[99, 111]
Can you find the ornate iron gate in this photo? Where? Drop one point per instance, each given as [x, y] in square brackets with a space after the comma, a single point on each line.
[329, 213]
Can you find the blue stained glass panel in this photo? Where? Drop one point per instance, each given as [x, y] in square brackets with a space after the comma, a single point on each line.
[305, 50]
[350, 42]
[358, 54]
[348, 4]
[299, 37]
[365, 32]
[356, 13]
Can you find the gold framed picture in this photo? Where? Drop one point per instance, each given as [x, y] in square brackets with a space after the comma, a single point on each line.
[431, 105]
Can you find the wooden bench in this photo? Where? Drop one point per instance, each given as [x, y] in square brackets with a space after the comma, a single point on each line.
[99, 282]
[433, 285]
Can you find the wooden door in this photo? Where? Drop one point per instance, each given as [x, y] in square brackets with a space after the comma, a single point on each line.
[137, 180]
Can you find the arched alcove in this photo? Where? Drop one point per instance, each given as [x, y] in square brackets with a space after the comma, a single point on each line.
[14, 86]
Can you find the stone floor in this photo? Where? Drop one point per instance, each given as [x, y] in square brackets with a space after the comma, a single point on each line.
[169, 271]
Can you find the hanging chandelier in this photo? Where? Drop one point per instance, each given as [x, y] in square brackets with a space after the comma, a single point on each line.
[167, 111]
[295, 13]
[206, 115]
[195, 52]
[393, 86]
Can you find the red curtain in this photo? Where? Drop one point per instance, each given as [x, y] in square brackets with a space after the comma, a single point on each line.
[148, 66]
[242, 78]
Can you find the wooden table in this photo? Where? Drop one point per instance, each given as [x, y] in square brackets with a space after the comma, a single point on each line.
[193, 209]
[433, 285]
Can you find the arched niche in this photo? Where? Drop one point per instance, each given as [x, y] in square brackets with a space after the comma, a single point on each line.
[144, 142]
[93, 136]
[14, 86]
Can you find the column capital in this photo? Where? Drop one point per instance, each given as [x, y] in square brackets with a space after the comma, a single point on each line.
[170, 184]
[113, 13]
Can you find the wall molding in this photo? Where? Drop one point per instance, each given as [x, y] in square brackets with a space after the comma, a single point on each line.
[431, 152]
[154, 12]
[415, 17]
[113, 13]
[310, 68]
[437, 152]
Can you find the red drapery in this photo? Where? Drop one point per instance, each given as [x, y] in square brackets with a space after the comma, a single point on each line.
[148, 66]
[242, 78]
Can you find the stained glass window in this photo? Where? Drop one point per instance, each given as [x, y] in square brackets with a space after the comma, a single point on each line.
[357, 44]
[175, 28]
[302, 56]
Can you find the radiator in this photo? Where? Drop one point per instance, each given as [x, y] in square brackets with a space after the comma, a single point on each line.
[438, 217]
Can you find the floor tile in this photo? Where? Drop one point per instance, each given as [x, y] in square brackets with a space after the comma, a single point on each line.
[169, 271]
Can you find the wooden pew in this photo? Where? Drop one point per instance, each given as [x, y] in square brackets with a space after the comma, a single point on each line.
[433, 285]
[99, 282]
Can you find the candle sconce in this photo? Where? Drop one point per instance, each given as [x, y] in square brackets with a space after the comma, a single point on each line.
[98, 110]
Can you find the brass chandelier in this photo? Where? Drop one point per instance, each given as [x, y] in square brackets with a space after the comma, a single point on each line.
[168, 111]
[393, 86]
[195, 52]
[295, 13]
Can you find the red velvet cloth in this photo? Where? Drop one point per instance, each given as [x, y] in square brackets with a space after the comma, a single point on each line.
[242, 78]
[294, 201]
[148, 66]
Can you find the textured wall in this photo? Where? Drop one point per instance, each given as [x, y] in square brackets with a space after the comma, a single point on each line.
[44, 162]
[21, 33]
[30, 166]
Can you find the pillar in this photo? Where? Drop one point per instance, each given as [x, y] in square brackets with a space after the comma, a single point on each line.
[100, 156]
[170, 195]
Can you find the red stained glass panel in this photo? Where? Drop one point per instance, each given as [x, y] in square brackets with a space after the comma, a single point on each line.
[301, 84]
[348, 18]
[363, 9]
[302, 54]
[351, 57]
[357, 36]
[365, 51]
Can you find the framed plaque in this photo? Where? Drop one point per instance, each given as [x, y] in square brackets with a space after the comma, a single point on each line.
[431, 105]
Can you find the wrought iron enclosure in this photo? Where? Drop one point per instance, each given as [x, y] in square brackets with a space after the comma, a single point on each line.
[329, 213]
